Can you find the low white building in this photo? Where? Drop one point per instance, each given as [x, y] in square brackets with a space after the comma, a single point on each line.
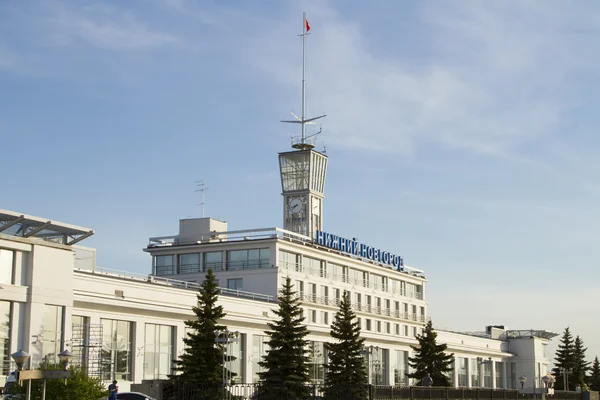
[130, 327]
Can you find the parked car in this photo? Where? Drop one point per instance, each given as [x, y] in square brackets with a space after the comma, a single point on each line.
[133, 396]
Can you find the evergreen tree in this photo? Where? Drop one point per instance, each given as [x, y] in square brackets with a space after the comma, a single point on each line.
[286, 362]
[431, 358]
[580, 366]
[202, 359]
[346, 375]
[594, 378]
[564, 360]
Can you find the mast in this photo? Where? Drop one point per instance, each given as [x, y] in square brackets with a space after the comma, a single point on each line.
[303, 144]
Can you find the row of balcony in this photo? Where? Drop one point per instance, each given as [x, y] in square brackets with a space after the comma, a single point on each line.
[364, 308]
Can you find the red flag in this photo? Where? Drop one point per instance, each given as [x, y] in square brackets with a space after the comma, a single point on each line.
[306, 25]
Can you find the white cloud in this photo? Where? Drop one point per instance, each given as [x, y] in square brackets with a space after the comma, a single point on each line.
[496, 81]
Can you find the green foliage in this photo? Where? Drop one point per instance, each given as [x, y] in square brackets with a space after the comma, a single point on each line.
[565, 358]
[431, 357]
[78, 387]
[202, 358]
[346, 375]
[286, 361]
[580, 366]
[594, 378]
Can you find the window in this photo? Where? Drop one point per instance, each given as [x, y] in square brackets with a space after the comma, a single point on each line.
[213, 260]
[337, 294]
[300, 288]
[323, 270]
[358, 299]
[463, 372]
[368, 298]
[80, 326]
[474, 370]
[189, 263]
[368, 324]
[235, 284]
[164, 265]
[5, 322]
[158, 351]
[316, 361]
[260, 345]
[116, 349]
[378, 326]
[52, 334]
[414, 312]
[499, 375]
[405, 330]
[313, 292]
[311, 265]
[387, 305]
[325, 317]
[397, 329]
[401, 368]
[325, 293]
[248, 259]
[387, 327]
[313, 316]
[378, 304]
[7, 261]
[365, 279]
[423, 313]
[487, 375]
[414, 331]
[289, 260]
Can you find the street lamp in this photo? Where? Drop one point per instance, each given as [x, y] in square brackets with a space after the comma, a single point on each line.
[565, 372]
[21, 358]
[522, 379]
[65, 358]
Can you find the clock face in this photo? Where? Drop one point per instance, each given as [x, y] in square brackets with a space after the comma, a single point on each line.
[295, 205]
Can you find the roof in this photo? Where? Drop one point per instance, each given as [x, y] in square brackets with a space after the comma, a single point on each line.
[528, 333]
[26, 226]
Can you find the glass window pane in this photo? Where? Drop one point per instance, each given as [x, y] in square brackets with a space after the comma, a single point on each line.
[6, 266]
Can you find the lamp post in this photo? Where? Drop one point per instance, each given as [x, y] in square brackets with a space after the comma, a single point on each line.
[522, 379]
[65, 358]
[21, 358]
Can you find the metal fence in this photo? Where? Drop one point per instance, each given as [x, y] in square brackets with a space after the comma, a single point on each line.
[187, 391]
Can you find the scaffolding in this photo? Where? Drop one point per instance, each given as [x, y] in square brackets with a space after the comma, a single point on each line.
[87, 348]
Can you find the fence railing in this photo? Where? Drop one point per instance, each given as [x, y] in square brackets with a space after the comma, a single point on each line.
[187, 391]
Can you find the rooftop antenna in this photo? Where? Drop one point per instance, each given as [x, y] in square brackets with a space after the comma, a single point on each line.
[202, 189]
[302, 120]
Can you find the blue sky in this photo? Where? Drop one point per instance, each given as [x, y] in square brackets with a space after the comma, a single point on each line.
[461, 134]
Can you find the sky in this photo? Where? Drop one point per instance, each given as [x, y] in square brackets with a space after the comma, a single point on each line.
[460, 134]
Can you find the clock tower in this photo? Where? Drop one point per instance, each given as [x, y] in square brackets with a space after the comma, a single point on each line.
[303, 171]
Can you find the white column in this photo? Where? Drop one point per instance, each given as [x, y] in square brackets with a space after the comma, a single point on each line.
[137, 351]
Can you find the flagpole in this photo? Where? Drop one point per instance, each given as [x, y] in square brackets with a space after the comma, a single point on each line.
[303, 69]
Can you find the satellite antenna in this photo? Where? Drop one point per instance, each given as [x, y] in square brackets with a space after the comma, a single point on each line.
[302, 120]
[202, 189]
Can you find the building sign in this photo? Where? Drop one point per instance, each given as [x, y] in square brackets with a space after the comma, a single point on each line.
[353, 247]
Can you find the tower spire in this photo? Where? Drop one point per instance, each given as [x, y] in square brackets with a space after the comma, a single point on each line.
[303, 144]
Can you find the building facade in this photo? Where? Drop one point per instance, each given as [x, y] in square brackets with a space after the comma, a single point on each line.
[130, 327]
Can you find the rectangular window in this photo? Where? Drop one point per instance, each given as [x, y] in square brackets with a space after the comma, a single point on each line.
[337, 294]
[323, 270]
[313, 292]
[158, 351]
[368, 324]
[378, 326]
[463, 372]
[164, 265]
[487, 375]
[358, 299]
[116, 349]
[365, 279]
[401, 368]
[405, 330]
[311, 265]
[316, 362]
[52, 333]
[423, 314]
[414, 312]
[235, 284]
[213, 260]
[289, 260]
[388, 327]
[414, 331]
[5, 324]
[499, 375]
[368, 298]
[325, 317]
[7, 262]
[190, 263]
[300, 289]
[80, 327]
[378, 305]
[248, 259]
[474, 370]
[388, 306]
[260, 345]
[384, 283]
[325, 294]
[313, 316]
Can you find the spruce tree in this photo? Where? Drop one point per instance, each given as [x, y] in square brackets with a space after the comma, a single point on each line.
[346, 375]
[202, 359]
[431, 358]
[564, 360]
[580, 366]
[286, 362]
[594, 378]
